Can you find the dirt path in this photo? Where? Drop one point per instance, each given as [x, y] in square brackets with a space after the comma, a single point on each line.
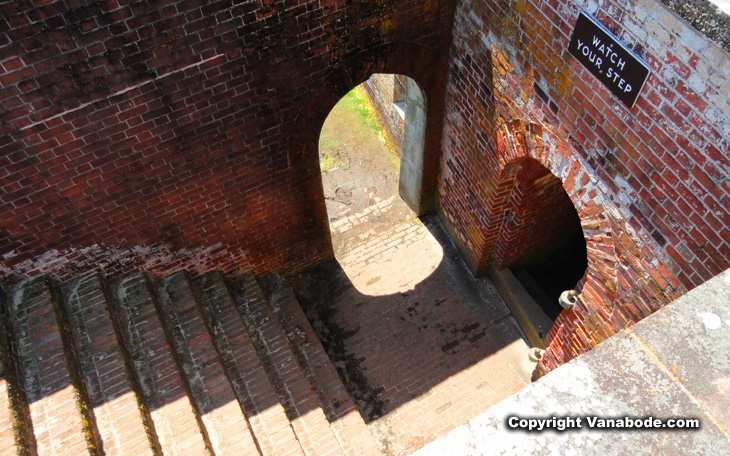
[360, 171]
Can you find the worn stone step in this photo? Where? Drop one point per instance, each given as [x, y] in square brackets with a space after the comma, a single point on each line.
[290, 382]
[334, 398]
[178, 427]
[224, 419]
[265, 413]
[15, 432]
[125, 428]
[60, 419]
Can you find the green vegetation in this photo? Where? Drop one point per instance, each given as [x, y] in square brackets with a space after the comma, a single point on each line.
[326, 161]
[414, 220]
[353, 112]
[357, 102]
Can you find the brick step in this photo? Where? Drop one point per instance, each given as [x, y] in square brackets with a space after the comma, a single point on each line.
[125, 428]
[173, 367]
[288, 379]
[15, 433]
[334, 398]
[224, 419]
[179, 428]
[265, 413]
[58, 412]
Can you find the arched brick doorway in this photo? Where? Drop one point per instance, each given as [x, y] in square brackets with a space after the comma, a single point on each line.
[409, 59]
[541, 240]
[527, 154]
[371, 158]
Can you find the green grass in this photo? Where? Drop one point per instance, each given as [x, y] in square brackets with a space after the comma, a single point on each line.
[355, 105]
[326, 161]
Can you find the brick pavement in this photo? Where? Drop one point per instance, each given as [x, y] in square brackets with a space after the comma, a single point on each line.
[418, 342]
[221, 365]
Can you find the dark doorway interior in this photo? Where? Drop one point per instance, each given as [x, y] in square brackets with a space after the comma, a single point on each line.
[542, 240]
[546, 280]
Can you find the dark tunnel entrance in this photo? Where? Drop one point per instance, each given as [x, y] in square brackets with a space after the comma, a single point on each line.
[541, 240]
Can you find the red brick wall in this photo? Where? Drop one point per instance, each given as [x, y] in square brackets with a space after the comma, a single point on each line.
[649, 183]
[542, 218]
[181, 134]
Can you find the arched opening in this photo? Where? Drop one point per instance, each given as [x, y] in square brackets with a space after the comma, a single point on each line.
[370, 157]
[569, 240]
[541, 240]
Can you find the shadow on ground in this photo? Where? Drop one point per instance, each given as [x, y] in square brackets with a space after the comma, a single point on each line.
[425, 358]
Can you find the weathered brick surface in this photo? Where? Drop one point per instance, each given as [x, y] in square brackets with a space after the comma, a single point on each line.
[649, 183]
[397, 314]
[119, 418]
[8, 444]
[295, 393]
[177, 426]
[266, 415]
[226, 425]
[102, 366]
[59, 425]
[380, 90]
[542, 218]
[7, 434]
[346, 422]
[17, 426]
[182, 134]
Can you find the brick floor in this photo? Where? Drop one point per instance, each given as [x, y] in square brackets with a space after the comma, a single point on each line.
[225, 366]
[418, 342]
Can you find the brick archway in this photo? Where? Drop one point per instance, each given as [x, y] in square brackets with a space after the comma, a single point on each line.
[519, 141]
[623, 282]
[406, 58]
[597, 311]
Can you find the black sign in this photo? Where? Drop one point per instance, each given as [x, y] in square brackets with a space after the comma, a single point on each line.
[602, 54]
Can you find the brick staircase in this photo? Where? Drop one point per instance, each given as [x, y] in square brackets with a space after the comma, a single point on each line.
[214, 366]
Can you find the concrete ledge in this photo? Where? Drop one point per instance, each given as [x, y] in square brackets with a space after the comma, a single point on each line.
[711, 17]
